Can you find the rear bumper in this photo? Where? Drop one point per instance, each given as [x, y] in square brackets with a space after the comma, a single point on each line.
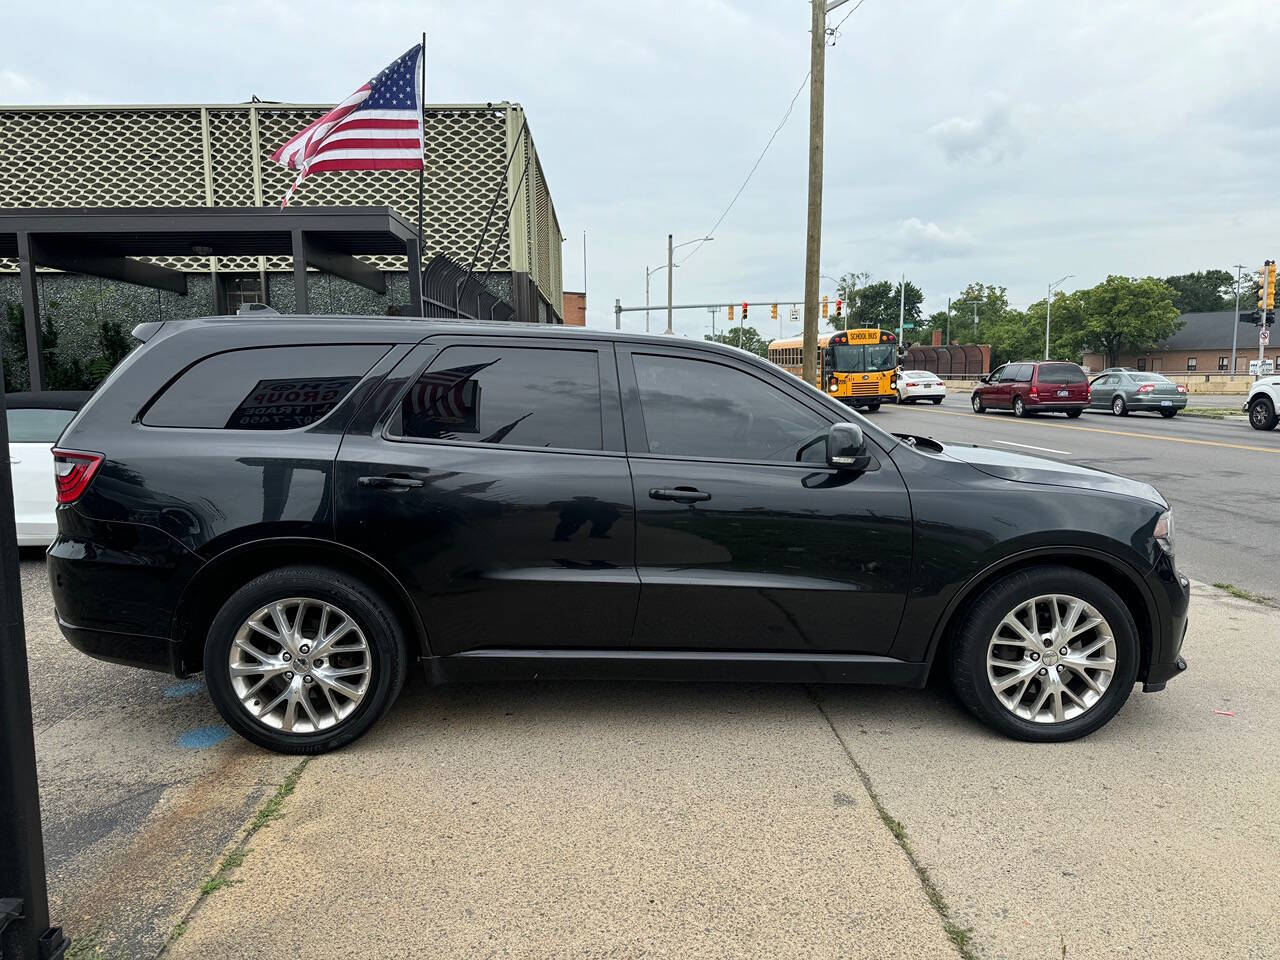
[129, 649]
[1045, 406]
[1175, 403]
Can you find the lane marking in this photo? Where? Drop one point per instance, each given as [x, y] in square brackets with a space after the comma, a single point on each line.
[1114, 433]
[1027, 446]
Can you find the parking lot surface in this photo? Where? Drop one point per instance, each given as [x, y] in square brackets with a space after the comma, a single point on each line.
[631, 819]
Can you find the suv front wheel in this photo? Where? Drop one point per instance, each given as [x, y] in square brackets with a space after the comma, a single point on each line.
[1262, 414]
[304, 659]
[1049, 654]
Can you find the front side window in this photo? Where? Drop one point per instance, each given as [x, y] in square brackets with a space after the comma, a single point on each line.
[263, 388]
[698, 408]
[28, 425]
[517, 396]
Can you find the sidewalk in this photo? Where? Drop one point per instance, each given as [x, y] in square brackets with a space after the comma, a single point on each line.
[635, 819]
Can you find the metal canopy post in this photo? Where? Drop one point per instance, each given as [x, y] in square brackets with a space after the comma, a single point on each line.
[413, 256]
[31, 313]
[300, 302]
[24, 900]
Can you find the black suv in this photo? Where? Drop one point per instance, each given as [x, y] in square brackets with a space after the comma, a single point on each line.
[302, 507]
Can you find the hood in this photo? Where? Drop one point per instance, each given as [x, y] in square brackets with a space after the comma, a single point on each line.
[1021, 468]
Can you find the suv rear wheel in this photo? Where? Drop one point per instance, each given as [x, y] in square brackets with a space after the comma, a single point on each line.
[304, 659]
[1049, 654]
[1262, 414]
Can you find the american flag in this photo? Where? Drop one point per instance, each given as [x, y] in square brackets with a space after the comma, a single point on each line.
[379, 127]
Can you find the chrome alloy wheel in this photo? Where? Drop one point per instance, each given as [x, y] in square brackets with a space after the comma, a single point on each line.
[1051, 659]
[300, 665]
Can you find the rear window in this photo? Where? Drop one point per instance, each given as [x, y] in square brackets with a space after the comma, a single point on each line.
[1148, 378]
[1060, 373]
[37, 426]
[265, 388]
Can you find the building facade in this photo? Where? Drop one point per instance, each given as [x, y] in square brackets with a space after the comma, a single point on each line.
[219, 155]
[1202, 345]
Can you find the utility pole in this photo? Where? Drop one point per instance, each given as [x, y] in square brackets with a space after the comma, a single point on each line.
[948, 321]
[1048, 304]
[1236, 328]
[975, 316]
[670, 250]
[813, 235]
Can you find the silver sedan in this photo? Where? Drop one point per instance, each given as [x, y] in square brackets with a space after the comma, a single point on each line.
[1124, 390]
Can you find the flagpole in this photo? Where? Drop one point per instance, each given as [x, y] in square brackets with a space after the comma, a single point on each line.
[422, 171]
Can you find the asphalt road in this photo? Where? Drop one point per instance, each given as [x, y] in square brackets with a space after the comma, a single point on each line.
[1220, 476]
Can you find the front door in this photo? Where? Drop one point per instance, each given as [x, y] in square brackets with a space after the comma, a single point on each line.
[493, 483]
[745, 538]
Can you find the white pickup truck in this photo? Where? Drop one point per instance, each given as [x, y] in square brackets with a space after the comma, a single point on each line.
[1263, 402]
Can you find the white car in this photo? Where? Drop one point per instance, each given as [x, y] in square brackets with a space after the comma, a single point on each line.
[36, 420]
[1263, 405]
[916, 385]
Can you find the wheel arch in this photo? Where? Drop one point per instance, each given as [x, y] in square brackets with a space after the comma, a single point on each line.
[221, 576]
[1115, 573]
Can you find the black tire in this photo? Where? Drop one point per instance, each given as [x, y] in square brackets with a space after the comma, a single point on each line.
[1019, 407]
[873, 406]
[1073, 414]
[978, 406]
[1168, 414]
[1262, 414]
[969, 651]
[1119, 407]
[936, 400]
[387, 654]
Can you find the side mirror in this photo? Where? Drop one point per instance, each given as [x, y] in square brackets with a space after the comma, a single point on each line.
[847, 447]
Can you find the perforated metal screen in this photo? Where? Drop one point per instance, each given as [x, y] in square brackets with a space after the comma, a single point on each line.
[220, 155]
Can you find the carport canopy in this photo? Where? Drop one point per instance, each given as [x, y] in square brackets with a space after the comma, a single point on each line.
[102, 242]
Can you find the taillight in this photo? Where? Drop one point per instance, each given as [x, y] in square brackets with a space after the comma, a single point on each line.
[1146, 388]
[910, 384]
[72, 471]
[1035, 393]
[1182, 388]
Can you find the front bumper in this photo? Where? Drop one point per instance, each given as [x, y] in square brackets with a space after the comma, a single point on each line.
[1166, 660]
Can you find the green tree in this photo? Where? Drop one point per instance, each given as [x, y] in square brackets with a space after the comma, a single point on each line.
[114, 345]
[1122, 315]
[868, 303]
[14, 349]
[748, 338]
[1203, 291]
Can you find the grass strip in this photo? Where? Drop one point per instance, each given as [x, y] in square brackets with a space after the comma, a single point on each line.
[1240, 593]
[962, 937]
[222, 877]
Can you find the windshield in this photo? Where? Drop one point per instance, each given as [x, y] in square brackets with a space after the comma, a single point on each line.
[871, 358]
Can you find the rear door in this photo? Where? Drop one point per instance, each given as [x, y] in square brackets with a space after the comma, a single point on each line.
[490, 477]
[1062, 383]
[745, 538]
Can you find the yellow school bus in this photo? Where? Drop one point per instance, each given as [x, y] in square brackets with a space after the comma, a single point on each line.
[857, 367]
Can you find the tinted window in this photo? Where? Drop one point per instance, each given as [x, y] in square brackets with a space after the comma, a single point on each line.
[696, 408]
[268, 388]
[1148, 378]
[1023, 372]
[1060, 373]
[521, 396]
[1008, 373]
[37, 426]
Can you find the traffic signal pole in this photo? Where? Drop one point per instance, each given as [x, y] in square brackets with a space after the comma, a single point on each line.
[1235, 330]
[24, 902]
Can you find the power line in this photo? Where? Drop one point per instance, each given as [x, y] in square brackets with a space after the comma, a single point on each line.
[772, 137]
[776, 130]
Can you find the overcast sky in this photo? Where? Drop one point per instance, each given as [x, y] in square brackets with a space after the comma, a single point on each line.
[1006, 141]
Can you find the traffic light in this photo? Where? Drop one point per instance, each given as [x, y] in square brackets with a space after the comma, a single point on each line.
[837, 306]
[1267, 287]
[773, 312]
[744, 311]
[824, 306]
[731, 313]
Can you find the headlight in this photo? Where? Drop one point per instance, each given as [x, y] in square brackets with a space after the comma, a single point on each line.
[1164, 532]
[834, 385]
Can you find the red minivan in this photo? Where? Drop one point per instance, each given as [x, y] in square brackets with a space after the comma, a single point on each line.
[1049, 386]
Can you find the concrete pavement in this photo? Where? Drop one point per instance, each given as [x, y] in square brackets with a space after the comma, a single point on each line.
[635, 819]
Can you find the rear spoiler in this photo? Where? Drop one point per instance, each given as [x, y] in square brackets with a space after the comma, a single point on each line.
[145, 331]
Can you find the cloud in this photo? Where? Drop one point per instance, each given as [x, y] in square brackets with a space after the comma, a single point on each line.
[1000, 130]
[14, 84]
[928, 241]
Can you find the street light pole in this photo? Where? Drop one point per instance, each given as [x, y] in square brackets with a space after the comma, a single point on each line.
[902, 307]
[1235, 329]
[671, 266]
[948, 321]
[1048, 306]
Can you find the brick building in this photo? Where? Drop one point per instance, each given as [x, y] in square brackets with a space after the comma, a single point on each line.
[575, 309]
[1201, 345]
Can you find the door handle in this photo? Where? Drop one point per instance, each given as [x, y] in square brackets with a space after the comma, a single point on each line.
[15, 459]
[679, 495]
[392, 482]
